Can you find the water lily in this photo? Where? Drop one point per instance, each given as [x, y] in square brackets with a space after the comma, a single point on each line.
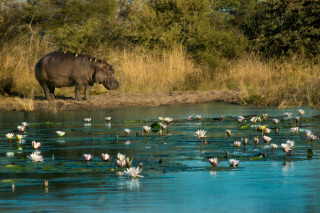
[21, 128]
[267, 131]
[10, 136]
[228, 131]
[273, 147]
[308, 133]
[105, 157]
[275, 121]
[287, 114]
[240, 119]
[200, 134]
[146, 129]
[313, 137]
[301, 112]
[233, 162]
[160, 118]
[266, 139]
[244, 141]
[213, 161]
[120, 173]
[237, 143]
[189, 118]
[107, 119]
[35, 157]
[19, 137]
[265, 116]
[121, 160]
[127, 132]
[285, 148]
[256, 141]
[297, 120]
[163, 127]
[87, 157]
[10, 154]
[294, 129]
[168, 120]
[198, 117]
[25, 124]
[46, 183]
[134, 172]
[61, 133]
[254, 119]
[35, 144]
[88, 120]
[290, 143]
[262, 128]
[221, 118]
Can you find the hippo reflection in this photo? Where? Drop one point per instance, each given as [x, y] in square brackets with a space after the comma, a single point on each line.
[58, 69]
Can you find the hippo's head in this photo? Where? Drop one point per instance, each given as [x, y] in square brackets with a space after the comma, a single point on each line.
[104, 74]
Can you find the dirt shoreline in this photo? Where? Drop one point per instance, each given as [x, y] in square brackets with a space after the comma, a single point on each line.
[114, 99]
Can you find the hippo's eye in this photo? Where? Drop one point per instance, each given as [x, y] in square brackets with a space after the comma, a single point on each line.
[109, 73]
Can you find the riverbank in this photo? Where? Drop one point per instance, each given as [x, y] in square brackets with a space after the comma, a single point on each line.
[115, 99]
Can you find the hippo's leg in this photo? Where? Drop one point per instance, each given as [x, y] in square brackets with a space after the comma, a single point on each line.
[78, 92]
[87, 91]
[52, 92]
[47, 93]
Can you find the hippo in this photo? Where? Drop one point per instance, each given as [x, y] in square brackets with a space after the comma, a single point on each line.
[62, 69]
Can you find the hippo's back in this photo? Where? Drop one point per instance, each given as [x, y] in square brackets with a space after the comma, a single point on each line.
[60, 69]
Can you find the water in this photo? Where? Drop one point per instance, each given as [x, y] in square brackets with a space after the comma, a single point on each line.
[184, 181]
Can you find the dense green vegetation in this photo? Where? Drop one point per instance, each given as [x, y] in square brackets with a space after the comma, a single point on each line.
[213, 33]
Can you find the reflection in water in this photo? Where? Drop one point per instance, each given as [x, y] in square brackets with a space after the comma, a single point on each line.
[287, 165]
[87, 125]
[61, 140]
[132, 184]
[214, 173]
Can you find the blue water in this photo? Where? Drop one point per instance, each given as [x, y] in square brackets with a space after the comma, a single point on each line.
[183, 182]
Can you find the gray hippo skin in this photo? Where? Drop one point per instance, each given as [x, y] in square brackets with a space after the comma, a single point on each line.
[58, 69]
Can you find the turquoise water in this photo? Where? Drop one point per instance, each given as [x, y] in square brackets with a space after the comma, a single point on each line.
[184, 181]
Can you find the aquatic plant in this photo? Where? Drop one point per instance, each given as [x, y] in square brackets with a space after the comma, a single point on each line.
[198, 117]
[200, 134]
[107, 119]
[275, 121]
[105, 157]
[256, 141]
[237, 143]
[10, 136]
[168, 120]
[121, 160]
[19, 137]
[273, 147]
[87, 157]
[35, 144]
[240, 119]
[213, 161]
[287, 114]
[313, 137]
[146, 129]
[266, 139]
[294, 129]
[189, 117]
[127, 131]
[25, 124]
[129, 162]
[35, 157]
[233, 162]
[134, 172]
[228, 131]
[60, 133]
[21, 128]
[285, 148]
[267, 131]
[88, 120]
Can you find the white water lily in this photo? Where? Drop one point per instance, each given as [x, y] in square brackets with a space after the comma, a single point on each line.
[35, 157]
[198, 117]
[10, 154]
[10, 136]
[19, 137]
[308, 133]
[266, 139]
[290, 143]
[107, 119]
[160, 118]
[254, 119]
[25, 124]
[240, 119]
[127, 132]
[301, 112]
[213, 161]
[267, 131]
[129, 162]
[189, 118]
[275, 121]
[121, 157]
[274, 146]
[134, 172]
[105, 157]
[287, 114]
[285, 147]
[21, 128]
[200, 134]
[60, 133]
[313, 137]
[88, 120]
[146, 129]
[228, 131]
[233, 162]
[237, 143]
[244, 141]
[294, 129]
[168, 120]
[35, 144]
[265, 116]
[87, 157]
[256, 140]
